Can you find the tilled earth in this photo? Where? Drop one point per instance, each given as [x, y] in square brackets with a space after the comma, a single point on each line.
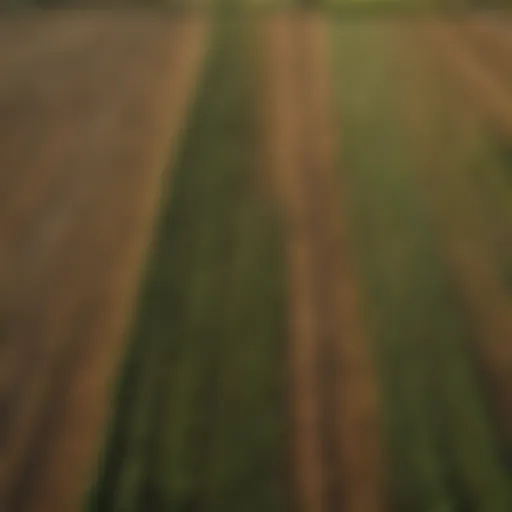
[334, 414]
[90, 107]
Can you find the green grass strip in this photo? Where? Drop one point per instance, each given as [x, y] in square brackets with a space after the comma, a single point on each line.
[198, 413]
[442, 453]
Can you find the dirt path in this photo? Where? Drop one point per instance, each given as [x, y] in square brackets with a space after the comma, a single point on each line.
[336, 459]
[82, 171]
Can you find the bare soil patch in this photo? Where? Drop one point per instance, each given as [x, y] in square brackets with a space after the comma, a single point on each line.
[489, 93]
[92, 107]
[492, 43]
[334, 415]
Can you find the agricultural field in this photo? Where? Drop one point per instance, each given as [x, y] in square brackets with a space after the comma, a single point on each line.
[84, 143]
[256, 262]
[437, 309]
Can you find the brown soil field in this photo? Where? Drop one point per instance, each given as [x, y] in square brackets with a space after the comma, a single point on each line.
[491, 95]
[465, 238]
[84, 143]
[336, 455]
[492, 43]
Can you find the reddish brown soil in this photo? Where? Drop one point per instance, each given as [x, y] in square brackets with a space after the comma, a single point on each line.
[336, 450]
[454, 200]
[91, 106]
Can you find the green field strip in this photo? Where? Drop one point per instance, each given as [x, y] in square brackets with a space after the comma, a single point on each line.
[461, 176]
[481, 179]
[442, 453]
[251, 343]
[488, 166]
[445, 163]
[198, 422]
[376, 9]
[361, 67]
[477, 211]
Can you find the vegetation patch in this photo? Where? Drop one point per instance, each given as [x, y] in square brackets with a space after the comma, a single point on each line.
[443, 454]
[198, 413]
